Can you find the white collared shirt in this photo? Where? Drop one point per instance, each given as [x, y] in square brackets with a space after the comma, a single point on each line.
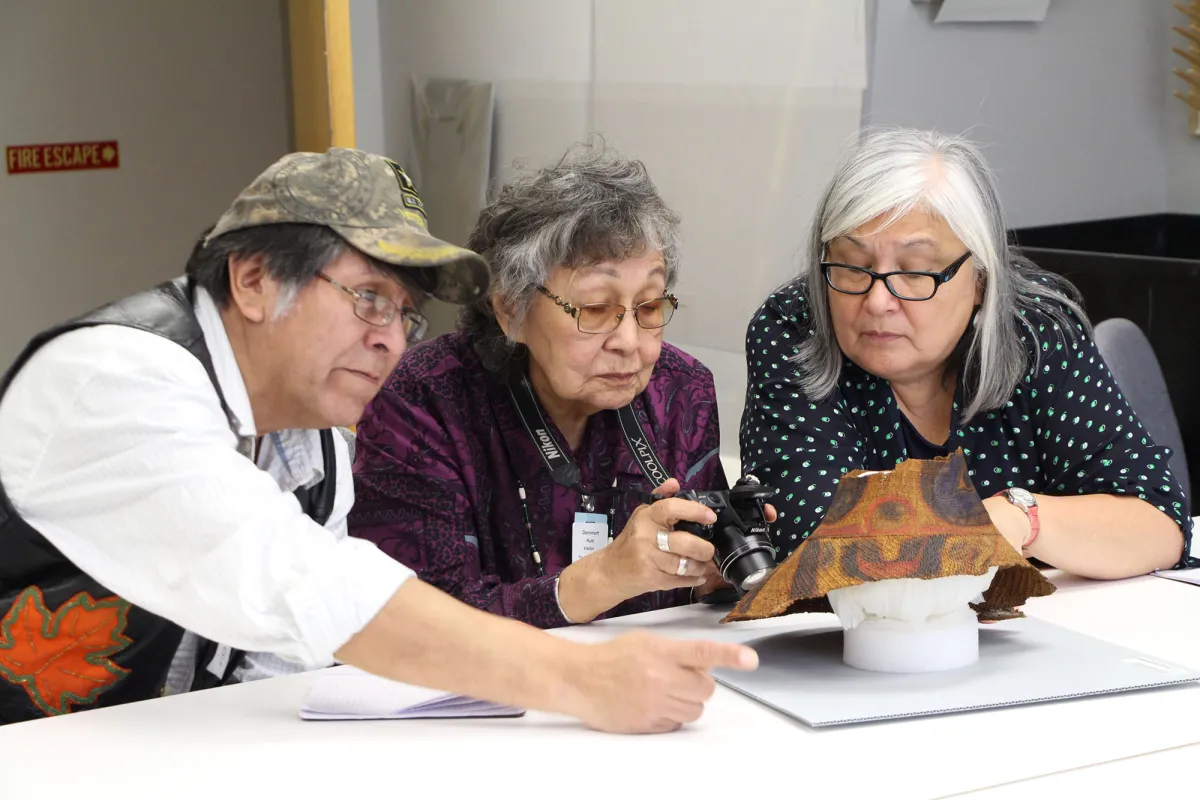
[114, 446]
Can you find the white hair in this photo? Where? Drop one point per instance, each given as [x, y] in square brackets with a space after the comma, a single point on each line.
[288, 292]
[888, 173]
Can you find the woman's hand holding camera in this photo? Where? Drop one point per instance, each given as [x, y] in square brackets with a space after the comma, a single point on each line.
[648, 556]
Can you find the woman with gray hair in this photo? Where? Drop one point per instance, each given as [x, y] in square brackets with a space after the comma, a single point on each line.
[915, 329]
[499, 461]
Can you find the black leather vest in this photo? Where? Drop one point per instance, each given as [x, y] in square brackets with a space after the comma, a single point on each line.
[66, 642]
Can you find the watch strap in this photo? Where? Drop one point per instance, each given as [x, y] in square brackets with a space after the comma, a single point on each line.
[1031, 511]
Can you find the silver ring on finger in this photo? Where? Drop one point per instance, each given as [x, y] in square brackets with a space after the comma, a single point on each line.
[681, 570]
[664, 543]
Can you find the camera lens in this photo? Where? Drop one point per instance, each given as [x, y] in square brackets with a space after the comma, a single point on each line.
[749, 565]
[744, 553]
[755, 578]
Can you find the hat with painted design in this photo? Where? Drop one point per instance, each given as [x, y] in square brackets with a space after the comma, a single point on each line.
[370, 202]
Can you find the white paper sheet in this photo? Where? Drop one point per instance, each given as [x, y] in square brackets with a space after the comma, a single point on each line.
[1185, 575]
[348, 693]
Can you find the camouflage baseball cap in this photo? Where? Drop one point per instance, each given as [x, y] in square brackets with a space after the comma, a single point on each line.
[370, 202]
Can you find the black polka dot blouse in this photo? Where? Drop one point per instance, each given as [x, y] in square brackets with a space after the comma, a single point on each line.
[1066, 430]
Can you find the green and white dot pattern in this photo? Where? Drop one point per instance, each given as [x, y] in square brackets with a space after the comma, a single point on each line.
[1066, 430]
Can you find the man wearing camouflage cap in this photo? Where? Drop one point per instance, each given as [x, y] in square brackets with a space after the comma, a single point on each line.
[173, 499]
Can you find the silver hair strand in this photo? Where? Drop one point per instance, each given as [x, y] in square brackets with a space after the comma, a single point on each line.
[888, 173]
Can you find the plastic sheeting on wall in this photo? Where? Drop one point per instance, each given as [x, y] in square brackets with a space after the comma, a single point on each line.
[737, 109]
[452, 137]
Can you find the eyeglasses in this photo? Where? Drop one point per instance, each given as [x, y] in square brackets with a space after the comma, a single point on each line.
[607, 317]
[380, 311]
[904, 285]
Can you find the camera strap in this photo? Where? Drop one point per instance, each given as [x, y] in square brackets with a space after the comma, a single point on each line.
[639, 445]
[559, 464]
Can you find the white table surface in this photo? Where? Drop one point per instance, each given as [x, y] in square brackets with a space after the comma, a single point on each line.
[247, 740]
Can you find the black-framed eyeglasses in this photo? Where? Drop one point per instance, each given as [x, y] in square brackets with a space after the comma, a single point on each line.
[903, 284]
[380, 311]
[606, 317]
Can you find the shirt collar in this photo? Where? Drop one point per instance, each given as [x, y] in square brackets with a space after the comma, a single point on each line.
[292, 457]
[225, 365]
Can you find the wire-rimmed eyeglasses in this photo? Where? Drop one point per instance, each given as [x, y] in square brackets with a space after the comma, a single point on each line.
[607, 317]
[906, 285]
[379, 311]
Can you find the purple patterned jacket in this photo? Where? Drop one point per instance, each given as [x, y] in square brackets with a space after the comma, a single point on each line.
[434, 487]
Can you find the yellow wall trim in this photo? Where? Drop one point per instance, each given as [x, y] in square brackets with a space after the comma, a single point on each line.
[322, 74]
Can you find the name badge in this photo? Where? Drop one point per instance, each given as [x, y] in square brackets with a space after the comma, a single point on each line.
[589, 533]
[220, 660]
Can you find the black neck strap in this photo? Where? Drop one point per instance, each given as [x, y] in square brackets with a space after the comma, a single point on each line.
[639, 445]
[559, 463]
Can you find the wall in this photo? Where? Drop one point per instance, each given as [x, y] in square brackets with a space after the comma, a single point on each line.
[736, 109]
[537, 52]
[1071, 109]
[196, 95]
[367, 51]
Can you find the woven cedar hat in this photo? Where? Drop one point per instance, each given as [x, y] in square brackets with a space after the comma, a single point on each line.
[922, 520]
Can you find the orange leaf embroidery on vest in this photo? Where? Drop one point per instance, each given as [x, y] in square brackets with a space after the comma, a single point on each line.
[62, 659]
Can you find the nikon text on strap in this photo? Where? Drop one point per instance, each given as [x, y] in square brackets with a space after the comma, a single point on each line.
[559, 464]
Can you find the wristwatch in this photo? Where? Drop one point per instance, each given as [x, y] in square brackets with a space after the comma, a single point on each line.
[1025, 501]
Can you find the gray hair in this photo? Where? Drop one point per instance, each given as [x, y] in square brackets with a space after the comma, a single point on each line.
[890, 172]
[594, 205]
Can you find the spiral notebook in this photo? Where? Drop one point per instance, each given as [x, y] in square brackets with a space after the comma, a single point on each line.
[348, 693]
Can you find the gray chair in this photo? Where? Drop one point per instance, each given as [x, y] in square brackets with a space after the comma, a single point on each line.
[1133, 363]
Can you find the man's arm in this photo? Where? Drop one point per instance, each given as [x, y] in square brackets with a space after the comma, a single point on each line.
[114, 447]
[634, 684]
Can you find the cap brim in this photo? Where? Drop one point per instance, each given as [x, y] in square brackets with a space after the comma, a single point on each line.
[463, 275]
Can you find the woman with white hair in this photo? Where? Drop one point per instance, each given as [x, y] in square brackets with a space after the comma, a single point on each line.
[504, 462]
[915, 329]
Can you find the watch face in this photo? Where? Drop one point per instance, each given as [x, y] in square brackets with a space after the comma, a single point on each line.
[1021, 497]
